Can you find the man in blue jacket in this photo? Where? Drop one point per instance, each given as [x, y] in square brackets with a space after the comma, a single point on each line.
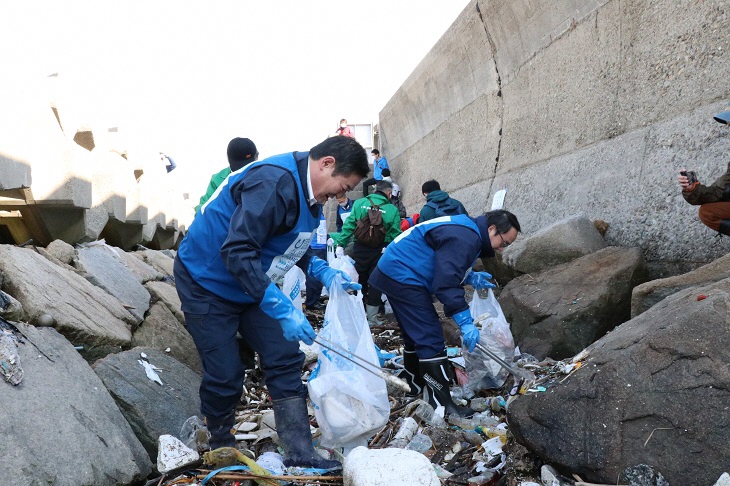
[436, 258]
[253, 229]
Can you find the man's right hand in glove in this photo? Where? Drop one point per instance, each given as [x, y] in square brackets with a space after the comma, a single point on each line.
[469, 332]
[295, 325]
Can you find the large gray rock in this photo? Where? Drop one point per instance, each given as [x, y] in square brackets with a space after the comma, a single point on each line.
[84, 313]
[649, 293]
[167, 294]
[139, 268]
[104, 268]
[60, 426]
[558, 243]
[654, 391]
[151, 409]
[162, 330]
[560, 311]
[155, 258]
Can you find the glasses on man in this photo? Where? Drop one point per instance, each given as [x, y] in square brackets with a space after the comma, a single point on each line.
[504, 244]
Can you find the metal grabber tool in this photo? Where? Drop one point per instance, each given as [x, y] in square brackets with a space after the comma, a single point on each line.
[526, 378]
[362, 363]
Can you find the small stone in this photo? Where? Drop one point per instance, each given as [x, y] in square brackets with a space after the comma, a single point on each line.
[45, 320]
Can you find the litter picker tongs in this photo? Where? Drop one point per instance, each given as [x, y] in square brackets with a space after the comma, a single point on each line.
[524, 378]
[362, 363]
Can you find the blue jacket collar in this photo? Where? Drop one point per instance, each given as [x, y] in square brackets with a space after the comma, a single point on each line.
[483, 225]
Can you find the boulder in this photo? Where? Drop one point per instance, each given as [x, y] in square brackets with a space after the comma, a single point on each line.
[167, 294]
[10, 308]
[151, 409]
[158, 260]
[649, 293]
[655, 391]
[139, 268]
[560, 311]
[62, 251]
[103, 267]
[392, 467]
[161, 330]
[60, 425]
[84, 313]
[558, 243]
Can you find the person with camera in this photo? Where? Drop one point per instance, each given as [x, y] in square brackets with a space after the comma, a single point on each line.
[713, 200]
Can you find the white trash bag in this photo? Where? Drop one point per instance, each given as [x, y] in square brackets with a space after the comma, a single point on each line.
[350, 403]
[495, 335]
[294, 282]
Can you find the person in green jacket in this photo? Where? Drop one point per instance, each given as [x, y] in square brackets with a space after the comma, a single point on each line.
[241, 151]
[366, 257]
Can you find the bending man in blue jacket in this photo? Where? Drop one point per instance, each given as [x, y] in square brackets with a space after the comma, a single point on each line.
[436, 258]
[255, 227]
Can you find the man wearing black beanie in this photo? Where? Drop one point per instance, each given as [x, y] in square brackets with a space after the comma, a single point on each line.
[241, 151]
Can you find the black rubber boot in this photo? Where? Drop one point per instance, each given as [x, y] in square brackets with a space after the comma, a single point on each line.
[220, 431]
[436, 392]
[292, 426]
[411, 374]
[725, 227]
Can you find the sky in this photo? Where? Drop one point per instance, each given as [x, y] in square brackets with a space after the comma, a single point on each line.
[186, 77]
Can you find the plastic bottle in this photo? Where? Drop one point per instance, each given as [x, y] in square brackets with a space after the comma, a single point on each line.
[427, 415]
[405, 433]
[420, 443]
[194, 434]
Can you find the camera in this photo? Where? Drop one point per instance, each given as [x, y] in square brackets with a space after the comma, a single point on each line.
[690, 175]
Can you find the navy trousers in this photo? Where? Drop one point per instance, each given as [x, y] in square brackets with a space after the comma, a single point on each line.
[417, 318]
[213, 323]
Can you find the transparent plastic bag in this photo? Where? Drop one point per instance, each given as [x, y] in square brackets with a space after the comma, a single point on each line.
[495, 335]
[350, 403]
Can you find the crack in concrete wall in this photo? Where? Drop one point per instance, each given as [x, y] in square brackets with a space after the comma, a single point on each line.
[493, 49]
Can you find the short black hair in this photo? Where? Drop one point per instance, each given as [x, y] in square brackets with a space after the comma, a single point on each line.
[503, 220]
[350, 156]
[385, 172]
[430, 186]
[375, 151]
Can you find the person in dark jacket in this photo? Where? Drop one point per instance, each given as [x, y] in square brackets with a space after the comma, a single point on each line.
[255, 228]
[435, 199]
[435, 259]
[714, 200]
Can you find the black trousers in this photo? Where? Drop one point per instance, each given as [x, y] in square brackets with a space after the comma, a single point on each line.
[366, 261]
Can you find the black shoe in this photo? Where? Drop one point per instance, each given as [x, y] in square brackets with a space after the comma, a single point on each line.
[220, 431]
[317, 306]
[435, 374]
[411, 374]
[292, 426]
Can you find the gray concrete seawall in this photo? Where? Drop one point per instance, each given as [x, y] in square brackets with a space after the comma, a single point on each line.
[572, 106]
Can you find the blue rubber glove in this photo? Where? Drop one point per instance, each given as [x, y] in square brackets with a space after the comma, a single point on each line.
[296, 327]
[469, 332]
[479, 280]
[319, 269]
